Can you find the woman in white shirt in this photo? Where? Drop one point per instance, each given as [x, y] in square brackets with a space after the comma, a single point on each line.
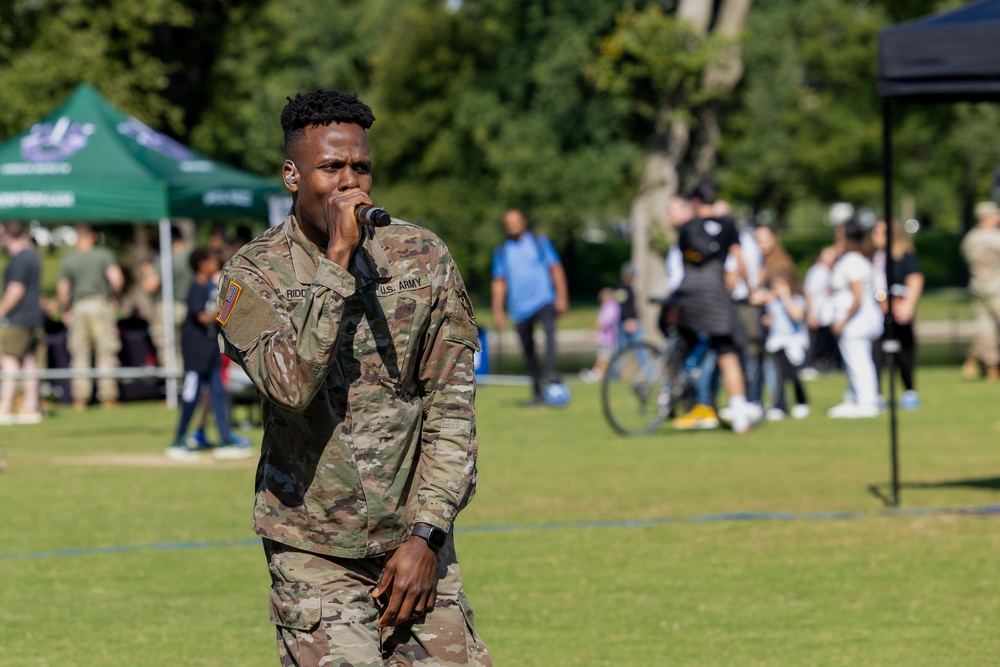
[857, 321]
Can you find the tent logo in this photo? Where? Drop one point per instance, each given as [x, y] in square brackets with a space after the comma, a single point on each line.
[228, 197]
[50, 142]
[149, 138]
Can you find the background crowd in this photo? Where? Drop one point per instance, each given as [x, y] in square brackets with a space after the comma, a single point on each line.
[87, 312]
[785, 329]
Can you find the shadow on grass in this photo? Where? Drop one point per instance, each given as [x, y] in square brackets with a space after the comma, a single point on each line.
[883, 492]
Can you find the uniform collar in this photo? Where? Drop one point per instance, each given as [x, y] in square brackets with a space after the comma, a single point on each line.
[368, 265]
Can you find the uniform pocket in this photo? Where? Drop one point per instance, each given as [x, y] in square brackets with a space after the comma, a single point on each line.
[295, 606]
[398, 361]
[477, 653]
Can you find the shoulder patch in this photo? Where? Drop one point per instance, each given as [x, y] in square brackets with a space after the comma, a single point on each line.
[245, 314]
[462, 321]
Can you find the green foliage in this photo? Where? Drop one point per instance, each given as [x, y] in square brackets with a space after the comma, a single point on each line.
[486, 108]
[651, 61]
[46, 49]
[807, 124]
[548, 105]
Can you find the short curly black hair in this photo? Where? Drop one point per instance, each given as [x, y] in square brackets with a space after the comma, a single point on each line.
[322, 107]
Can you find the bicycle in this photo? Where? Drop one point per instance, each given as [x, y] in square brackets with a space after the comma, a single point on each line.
[645, 385]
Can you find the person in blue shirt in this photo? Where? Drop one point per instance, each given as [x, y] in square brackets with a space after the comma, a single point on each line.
[529, 278]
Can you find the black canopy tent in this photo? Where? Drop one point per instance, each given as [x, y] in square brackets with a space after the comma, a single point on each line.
[949, 57]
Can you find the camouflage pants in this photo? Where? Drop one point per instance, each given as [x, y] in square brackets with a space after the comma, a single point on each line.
[92, 330]
[986, 344]
[158, 335]
[325, 615]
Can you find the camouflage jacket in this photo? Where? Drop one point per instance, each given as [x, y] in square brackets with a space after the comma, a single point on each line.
[368, 381]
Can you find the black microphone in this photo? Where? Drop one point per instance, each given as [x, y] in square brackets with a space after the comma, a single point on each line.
[372, 215]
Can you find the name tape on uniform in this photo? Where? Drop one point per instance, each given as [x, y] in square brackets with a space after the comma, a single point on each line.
[402, 285]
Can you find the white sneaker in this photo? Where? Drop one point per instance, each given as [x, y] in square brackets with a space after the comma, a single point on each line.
[589, 376]
[741, 424]
[808, 374]
[800, 411]
[852, 411]
[28, 418]
[754, 412]
[775, 415]
[6, 419]
[840, 409]
[231, 453]
[179, 453]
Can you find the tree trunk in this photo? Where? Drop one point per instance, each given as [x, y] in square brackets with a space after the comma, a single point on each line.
[660, 180]
[683, 155]
[698, 13]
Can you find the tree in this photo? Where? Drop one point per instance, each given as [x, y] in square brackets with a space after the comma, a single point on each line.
[488, 107]
[47, 49]
[808, 126]
[676, 70]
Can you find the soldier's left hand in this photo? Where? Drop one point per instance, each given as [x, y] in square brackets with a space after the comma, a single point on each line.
[412, 574]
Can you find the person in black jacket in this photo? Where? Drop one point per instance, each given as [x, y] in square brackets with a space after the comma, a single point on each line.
[904, 288]
[704, 306]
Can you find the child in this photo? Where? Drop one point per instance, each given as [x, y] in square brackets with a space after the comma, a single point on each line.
[607, 335]
[202, 366]
[787, 340]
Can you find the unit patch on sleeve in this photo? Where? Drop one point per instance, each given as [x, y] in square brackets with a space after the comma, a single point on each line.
[232, 296]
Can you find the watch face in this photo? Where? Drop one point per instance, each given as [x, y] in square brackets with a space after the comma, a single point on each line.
[437, 538]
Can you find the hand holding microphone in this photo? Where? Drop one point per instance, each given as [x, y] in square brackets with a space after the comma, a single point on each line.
[348, 211]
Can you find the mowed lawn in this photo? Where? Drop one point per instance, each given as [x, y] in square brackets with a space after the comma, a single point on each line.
[581, 548]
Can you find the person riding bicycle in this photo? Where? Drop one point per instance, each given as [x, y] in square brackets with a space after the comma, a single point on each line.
[702, 300]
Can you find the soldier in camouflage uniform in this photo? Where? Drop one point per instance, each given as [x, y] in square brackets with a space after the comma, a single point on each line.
[89, 283]
[361, 340]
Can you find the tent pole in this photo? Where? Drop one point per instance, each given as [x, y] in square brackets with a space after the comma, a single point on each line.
[890, 346]
[167, 297]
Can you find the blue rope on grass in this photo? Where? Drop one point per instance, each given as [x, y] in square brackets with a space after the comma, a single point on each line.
[984, 510]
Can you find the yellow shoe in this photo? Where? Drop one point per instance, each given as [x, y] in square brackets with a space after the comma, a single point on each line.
[707, 419]
[699, 417]
[970, 369]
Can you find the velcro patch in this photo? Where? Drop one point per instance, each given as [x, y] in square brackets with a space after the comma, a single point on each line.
[232, 296]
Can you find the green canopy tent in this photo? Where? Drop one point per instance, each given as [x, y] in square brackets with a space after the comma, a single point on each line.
[89, 162]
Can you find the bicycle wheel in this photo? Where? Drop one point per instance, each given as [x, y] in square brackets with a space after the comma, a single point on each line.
[635, 394]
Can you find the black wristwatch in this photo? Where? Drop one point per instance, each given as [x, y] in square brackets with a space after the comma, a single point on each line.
[435, 536]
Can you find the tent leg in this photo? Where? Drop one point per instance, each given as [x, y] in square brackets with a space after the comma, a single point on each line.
[890, 345]
[169, 325]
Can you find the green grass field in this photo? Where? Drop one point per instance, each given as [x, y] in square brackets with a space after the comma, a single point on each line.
[581, 548]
